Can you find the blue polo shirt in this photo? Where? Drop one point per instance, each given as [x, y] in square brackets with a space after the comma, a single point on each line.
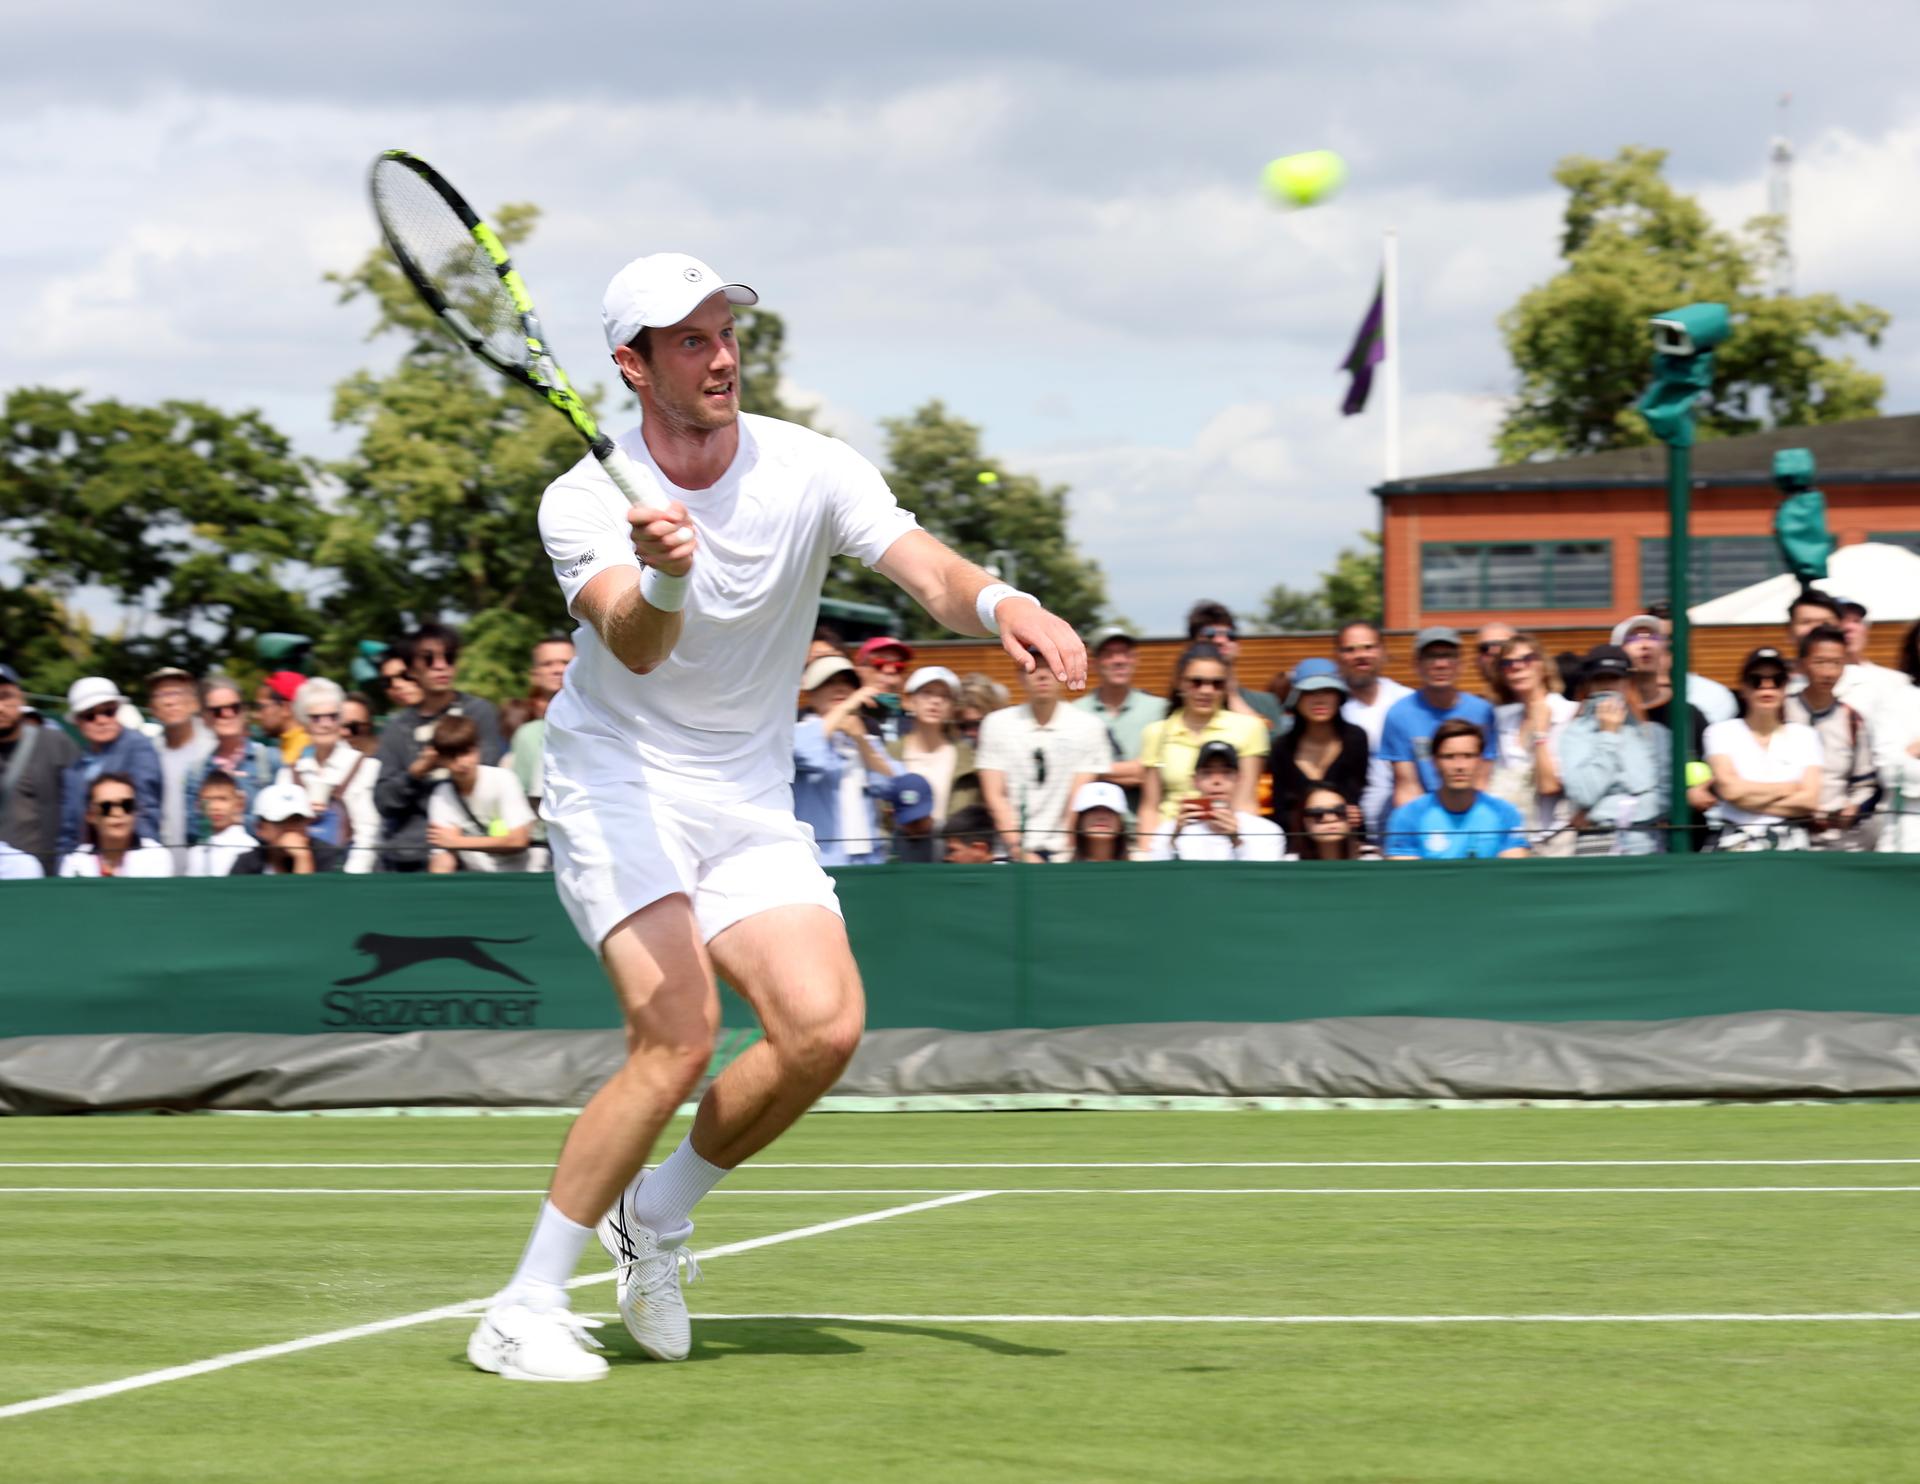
[1430, 830]
[1407, 735]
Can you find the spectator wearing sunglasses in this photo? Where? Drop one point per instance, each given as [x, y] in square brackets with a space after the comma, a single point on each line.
[1208, 826]
[252, 765]
[113, 845]
[1212, 623]
[410, 770]
[1487, 644]
[398, 688]
[1032, 760]
[1767, 770]
[1322, 746]
[1326, 829]
[980, 696]
[1406, 740]
[356, 723]
[1531, 716]
[881, 663]
[337, 776]
[1456, 821]
[1197, 714]
[106, 746]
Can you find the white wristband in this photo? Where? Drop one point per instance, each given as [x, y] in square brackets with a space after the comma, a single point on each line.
[668, 594]
[992, 597]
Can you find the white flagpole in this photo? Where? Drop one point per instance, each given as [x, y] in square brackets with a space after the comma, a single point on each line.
[1390, 315]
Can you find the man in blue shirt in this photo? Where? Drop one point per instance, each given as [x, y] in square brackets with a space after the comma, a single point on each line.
[93, 706]
[1456, 821]
[1406, 740]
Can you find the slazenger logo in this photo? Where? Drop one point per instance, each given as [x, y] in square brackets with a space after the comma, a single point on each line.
[580, 564]
[397, 1009]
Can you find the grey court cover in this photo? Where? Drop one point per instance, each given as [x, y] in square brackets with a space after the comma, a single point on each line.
[1757, 1055]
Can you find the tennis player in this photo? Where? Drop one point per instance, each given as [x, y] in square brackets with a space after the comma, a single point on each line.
[668, 797]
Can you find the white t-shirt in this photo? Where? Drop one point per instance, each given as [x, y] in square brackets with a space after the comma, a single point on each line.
[17, 865]
[1260, 840]
[1785, 759]
[495, 803]
[937, 768]
[215, 855]
[1376, 800]
[150, 859]
[717, 714]
[1040, 764]
[1516, 754]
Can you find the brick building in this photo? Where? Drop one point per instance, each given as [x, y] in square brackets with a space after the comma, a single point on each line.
[1581, 542]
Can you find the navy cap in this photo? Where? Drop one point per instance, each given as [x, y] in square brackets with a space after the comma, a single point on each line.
[9, 675]
[1216, 751]
[1605, 659]
[911, 797]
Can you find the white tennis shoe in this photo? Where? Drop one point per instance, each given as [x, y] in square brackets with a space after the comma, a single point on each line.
[525, 1344]
[647, 1278]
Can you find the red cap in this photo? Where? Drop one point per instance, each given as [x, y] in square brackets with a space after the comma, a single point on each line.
[879, 642]
[283, 683]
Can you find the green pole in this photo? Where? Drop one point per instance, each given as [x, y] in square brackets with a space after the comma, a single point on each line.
[1679, 583]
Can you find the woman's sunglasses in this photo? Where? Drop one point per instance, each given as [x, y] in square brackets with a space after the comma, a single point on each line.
[232, 708]
[106, 807]
[357, 728]
[1207, 682]
[1330, 812]
[1519, 661]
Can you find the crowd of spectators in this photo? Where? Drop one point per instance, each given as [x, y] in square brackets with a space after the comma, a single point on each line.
[905, 762]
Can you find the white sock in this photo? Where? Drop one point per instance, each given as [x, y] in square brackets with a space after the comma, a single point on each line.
[553, 1252]
[666, 1197]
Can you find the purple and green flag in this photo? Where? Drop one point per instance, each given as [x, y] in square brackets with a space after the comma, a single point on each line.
[1369, 350]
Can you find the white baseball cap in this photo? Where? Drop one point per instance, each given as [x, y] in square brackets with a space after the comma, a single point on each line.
[94, 690]
[1100, 796]
[825, 668]
[282, 801]
[660, 290]
[1628, 627]
[927, 674]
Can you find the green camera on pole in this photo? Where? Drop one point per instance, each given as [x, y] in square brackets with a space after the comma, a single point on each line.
[1684, 341]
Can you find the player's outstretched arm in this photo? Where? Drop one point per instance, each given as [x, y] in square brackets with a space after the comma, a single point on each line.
[639, 614]
[949, 587]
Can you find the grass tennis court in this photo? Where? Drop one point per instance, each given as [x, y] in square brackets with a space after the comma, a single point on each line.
[1154, 1296]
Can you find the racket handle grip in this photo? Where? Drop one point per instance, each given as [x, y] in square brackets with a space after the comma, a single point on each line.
[636, 483]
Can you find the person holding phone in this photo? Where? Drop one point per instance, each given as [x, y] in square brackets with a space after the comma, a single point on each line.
[1614, 763]
[1208, 826]
[1197, 713]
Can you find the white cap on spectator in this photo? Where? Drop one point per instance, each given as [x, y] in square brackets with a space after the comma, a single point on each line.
[94, 690]
[1628, 627]
[653, 292]
[825, 668]
[1100, 796]
[927, 674]
[282, 801]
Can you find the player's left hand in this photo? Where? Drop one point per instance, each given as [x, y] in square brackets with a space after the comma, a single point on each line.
[1025, 625]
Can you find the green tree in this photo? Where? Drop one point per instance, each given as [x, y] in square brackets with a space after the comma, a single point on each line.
[1632, 246]
[438, 505]
[1349, 589]
[199, 523]
[762, 337]
[934, 464]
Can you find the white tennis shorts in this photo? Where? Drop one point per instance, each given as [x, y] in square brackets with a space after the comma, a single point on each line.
[623, 838]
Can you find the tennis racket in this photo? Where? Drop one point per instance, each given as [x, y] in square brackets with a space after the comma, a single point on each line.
[460, 269]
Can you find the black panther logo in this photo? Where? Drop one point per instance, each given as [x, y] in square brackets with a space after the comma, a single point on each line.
[391, 954]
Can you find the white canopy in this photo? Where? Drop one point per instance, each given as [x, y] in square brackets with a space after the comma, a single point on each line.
[1884, 578]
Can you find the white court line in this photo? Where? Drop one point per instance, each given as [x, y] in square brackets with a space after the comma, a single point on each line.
[1098, 1164]
[1900, 1316]
[468, 1308]
[1088, 1190]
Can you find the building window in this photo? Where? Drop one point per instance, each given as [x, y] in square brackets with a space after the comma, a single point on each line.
[1509, 575]
[1909, 539]
[1720, 565]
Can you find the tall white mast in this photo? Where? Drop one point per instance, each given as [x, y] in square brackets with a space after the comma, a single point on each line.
[1780, 198]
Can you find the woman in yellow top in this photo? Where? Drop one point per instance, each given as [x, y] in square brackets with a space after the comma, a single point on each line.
[1196, 714]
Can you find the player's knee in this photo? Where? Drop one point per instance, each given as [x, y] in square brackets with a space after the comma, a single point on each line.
[677, 1064]
[822, 1051]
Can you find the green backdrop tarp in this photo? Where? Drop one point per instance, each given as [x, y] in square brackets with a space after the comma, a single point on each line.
[997, 947]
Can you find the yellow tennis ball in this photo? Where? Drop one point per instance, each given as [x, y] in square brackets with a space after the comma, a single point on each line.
[987, 476]
[1698, 774]
[1305, 179]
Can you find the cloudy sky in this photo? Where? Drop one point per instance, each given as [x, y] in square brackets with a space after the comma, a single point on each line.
[1044, 213]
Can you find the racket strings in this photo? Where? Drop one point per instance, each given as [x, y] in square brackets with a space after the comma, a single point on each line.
[429, 236]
